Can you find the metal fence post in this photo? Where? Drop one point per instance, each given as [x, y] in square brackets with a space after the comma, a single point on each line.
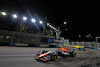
[72, 42]
[77, 43]
[82, 43]
[90, 44]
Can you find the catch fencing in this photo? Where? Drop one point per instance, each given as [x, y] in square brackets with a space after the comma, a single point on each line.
[86, 44]
[30, 39]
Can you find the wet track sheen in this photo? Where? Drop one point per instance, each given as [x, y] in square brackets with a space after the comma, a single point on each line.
[25, 57]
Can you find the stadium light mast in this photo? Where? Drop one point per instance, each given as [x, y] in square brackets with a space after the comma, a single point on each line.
[14, 16]
[33, 20]
[3, 13]
[24, 18]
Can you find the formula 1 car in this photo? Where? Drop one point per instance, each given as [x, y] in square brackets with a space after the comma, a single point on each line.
[47, 55]
[53, 55]
[66, 51]
[82, 49]
[77, 47]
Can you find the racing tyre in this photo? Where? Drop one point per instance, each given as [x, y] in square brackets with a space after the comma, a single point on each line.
[73, 54]
[64, 56]
[53, 57]
[84, 49]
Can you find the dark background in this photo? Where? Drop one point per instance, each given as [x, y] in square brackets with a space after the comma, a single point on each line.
[82, 16]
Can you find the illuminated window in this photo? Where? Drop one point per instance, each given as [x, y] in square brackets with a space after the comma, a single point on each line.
[8, 37]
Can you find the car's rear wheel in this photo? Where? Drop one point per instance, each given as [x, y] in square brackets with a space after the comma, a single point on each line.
[73, 54]
[64, 56]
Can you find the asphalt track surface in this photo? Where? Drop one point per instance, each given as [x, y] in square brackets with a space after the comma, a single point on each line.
[25, 57]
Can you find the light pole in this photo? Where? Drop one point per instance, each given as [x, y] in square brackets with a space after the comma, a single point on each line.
[59, 32]
[33, 20]
[89, 37]
[97, 38]
[22, 28]
[14, 16]
[52, 27]
[24, 18]
[3, 13]
[41, 22]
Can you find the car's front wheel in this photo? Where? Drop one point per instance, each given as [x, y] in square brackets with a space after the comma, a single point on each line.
[53, 57]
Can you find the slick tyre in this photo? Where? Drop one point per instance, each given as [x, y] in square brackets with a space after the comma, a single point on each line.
[53, 57]
[64, 56]
[73, 54]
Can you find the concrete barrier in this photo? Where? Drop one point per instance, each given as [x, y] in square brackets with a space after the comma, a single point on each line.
[56, 46]
[95, 47]
[98, 48]
[22, 45]
[43, 45]
[4, 44]
[60, 46]
[12, 44]
[36, 45]
[52, 46]
[31, 45]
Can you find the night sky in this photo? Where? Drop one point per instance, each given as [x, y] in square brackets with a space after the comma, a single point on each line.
[82, 16]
